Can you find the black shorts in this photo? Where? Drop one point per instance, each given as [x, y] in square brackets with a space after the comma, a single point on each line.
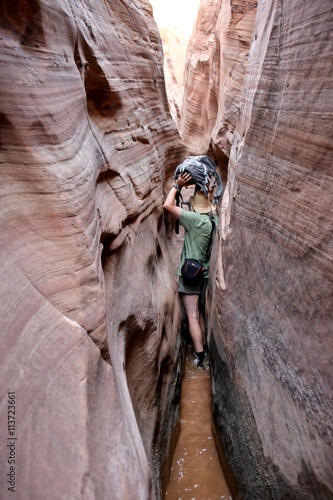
[192, 290]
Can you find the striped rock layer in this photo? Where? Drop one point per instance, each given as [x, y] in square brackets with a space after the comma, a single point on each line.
[87, 295]
[259, 98]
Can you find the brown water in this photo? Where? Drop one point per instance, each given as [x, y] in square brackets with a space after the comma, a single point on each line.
[196, 473]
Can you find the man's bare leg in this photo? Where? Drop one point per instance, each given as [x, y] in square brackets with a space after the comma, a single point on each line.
[191, 305]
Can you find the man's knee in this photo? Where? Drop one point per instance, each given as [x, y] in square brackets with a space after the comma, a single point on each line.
[193, 316]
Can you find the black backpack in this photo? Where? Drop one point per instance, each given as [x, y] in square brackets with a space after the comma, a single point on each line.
[202, 169]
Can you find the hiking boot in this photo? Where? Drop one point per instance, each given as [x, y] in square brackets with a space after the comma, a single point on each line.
[201, 364]
[199, 359]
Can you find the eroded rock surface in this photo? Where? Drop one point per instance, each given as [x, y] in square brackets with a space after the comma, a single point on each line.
[174, 47]
[271, 303]
[88, 322]
[215, 66]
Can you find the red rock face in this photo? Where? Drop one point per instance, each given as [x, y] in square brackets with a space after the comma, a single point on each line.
[87, 297]
[174, 48]
[216, 62]
[271, 304]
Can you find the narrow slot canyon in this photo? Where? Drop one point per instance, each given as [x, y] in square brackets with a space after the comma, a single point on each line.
[196, 469]
[100, 102]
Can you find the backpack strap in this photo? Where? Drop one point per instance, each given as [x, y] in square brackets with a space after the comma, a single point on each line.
[208, 251]
[181, 204]
[178, 195]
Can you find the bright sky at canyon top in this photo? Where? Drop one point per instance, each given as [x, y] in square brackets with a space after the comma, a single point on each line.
[176, 14]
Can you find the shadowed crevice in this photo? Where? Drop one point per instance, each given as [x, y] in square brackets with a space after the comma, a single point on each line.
[102, 101]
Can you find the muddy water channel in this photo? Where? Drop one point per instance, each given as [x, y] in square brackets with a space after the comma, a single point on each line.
[196, 472]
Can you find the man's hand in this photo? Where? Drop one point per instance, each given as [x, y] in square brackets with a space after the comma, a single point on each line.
[183, 179]
[169, 204]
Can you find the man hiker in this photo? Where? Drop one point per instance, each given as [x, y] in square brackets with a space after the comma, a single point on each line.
[199, 232]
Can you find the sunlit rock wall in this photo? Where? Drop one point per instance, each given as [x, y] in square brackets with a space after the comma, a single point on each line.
[272, 300]
[88, 321]
[215, 65]
[174, 48]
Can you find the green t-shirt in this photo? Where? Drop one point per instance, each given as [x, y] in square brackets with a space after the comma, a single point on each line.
[197, 232]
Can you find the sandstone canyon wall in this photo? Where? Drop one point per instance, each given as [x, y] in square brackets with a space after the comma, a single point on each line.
[215, 65]
[262, 97]
[88, 323]
[174, 48]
